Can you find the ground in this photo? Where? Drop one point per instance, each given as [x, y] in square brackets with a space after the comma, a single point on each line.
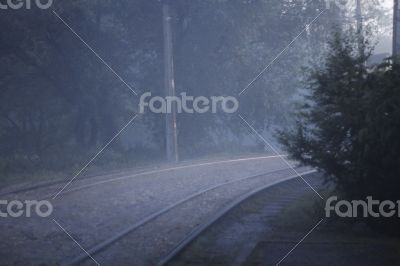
[263, 229]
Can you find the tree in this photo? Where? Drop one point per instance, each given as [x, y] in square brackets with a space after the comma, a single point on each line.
[349, 125]
[59, 103]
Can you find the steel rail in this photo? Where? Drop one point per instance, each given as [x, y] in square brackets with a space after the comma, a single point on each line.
[106, 243]
[123, 175]
[201, 228]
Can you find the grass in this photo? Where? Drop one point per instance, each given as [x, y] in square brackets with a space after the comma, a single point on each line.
[347, 242]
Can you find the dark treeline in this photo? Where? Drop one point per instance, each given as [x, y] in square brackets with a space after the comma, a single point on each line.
[60, 103]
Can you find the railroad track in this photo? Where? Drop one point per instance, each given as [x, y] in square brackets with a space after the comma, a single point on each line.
[169, 169]
[45, 184]
[238, 190]
[288, 184]
[115, 176]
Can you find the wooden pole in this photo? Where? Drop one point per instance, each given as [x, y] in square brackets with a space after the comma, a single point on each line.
[396, 28]
[359, 27]
[359, 16]
[171, 125]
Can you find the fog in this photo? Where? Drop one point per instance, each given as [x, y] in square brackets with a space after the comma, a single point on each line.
[68, 74]
[130, 128]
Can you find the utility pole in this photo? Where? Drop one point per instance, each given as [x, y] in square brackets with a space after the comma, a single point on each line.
[171, 138]
[396, 28]
[359, 16]
[359, 26]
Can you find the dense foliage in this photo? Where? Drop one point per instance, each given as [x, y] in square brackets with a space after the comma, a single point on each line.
[350, 125]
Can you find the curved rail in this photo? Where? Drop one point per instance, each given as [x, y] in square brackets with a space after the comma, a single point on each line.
[201, 228]
[102, 245]
[163, 171]
[125, 175]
